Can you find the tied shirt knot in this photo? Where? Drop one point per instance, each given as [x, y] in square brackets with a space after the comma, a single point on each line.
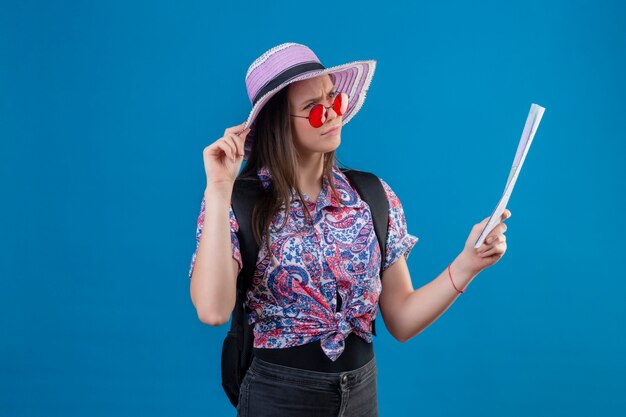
[333, 343]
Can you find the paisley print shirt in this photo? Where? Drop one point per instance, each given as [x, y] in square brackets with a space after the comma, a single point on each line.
[293, 299]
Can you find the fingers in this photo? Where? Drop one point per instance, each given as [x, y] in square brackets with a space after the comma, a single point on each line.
[238, 141]
[232, 144]
[237, 135]
[492, 240]
[505, 215]
[500, 228]
[224, 147]
[495, 243]
[497, 232]
[479, 226]
[498, 249]
[243, 133]
[234, 129]
[234, 138]
[240, 131]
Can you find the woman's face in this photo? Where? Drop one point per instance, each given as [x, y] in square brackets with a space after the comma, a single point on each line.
[308, 139]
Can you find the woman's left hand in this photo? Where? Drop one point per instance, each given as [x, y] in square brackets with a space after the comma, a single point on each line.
[475, 260]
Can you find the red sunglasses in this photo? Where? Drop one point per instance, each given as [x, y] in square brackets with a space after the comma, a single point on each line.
[317, 115]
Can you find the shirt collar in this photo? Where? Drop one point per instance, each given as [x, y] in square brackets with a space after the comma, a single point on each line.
[326, 198]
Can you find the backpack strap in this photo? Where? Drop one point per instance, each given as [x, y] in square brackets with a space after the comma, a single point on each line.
[371, 191]
[246, 192]
[237, 348]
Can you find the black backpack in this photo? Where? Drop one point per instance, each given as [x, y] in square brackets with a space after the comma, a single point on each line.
[237, 350]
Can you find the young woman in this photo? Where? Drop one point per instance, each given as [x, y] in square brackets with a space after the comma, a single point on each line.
[318, 281]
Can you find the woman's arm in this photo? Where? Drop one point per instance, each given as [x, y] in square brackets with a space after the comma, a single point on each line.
[407, 312]
[214, 276]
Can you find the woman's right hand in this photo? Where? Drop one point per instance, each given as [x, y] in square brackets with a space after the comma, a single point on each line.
[223, 158]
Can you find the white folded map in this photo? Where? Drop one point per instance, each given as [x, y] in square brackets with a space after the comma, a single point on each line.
[532, 123]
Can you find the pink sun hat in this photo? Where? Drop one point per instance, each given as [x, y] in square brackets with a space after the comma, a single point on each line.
[290, 62]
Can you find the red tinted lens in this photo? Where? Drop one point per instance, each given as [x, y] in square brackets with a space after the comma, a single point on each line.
[317, 116]
[340, 104]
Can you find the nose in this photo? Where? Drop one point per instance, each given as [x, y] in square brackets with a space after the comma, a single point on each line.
[330, 112]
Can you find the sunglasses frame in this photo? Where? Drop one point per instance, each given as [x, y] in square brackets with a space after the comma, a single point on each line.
[326, 108]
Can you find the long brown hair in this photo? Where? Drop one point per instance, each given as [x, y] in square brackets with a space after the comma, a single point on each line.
[273, 148]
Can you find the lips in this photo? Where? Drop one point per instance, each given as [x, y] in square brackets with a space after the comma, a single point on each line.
[333, 130]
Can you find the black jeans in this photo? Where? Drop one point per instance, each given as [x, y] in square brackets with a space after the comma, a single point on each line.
[274, 390]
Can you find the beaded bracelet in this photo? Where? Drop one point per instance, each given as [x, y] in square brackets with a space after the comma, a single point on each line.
[459, 291]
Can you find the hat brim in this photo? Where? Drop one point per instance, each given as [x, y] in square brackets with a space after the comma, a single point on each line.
[352, 78]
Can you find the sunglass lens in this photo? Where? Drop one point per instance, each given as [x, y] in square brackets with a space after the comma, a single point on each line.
[317, 116]
[341, 104]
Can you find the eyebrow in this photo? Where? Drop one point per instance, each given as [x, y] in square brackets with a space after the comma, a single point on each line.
[317, 98]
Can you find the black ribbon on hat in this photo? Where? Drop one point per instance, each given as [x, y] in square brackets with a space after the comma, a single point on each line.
[286, 76]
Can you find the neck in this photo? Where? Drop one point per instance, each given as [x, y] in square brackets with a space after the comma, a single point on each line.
[310, 171]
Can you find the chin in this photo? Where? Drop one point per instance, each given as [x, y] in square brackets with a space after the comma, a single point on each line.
[332, 140]
[322, 144]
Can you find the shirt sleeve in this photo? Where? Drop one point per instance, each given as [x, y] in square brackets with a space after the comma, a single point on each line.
[234, 228]
[399, 240]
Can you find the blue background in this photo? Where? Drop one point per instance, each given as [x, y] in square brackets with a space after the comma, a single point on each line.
[105, 108]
